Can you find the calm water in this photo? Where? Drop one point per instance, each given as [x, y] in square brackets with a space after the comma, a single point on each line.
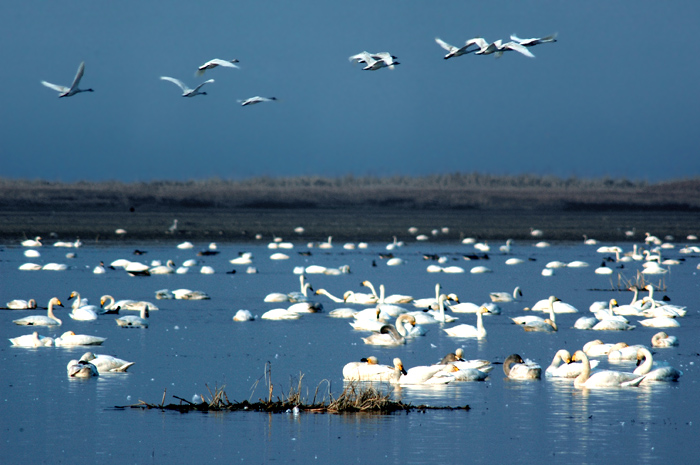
[49, 418]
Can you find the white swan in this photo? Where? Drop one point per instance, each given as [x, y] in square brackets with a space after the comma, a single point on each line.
[531, 43]
[528, 319]
[107, 363]
[186, 91]
[498, 47]
[453, 51]
[545, 326]
[168, 268]
[661, 339]
[81, 369]
[602, 379]
[597, 348]
[42, 320]
[132, 321]
[73, 89]
[569, 369]
[36, 242]
[330, 296]
[465, 330]
[211, 64]
[663, 373]
[622, 351]
[439, 315]
[32, 340]
[423, 374]
[82, 312]
[429, 301]
[256, 99]
[243, 315]
[505, 296]
[367, 369]
[559, 306]
[516, 368]
[391, 335]
[280, 314]
[19, 304]
[660, 322]
[389, 299]
[359, 298]
[69, 339]
[369, 319]
[375, 61]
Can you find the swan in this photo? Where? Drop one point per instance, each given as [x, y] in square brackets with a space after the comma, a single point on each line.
[585, 322]
[73, 89]
[69, 338]
[660, 322]
[390, 299]
[82, 312]
[597, 348]
[514, 261]
[137, 269]
[243, 315]
[256, 99]
[375, 61]
[603, 269]
[36, 242]
[661, 339]
[429, 301]
[42, 320]
[32, 340]
[622, 351]
[506, 248]
[465, 330]
[351, 297]
[369, 319]
[305, 307]
[276, 297]
[545, 326]
[505, 296]
[367, 369]
[302, 294]
[457, 360]
[391, 335]
[569, 369]
[18, 304]
[531, 43]
[30, 267]
[81, 368]
[663, 373]
[186, 92]
[559, 306]
[168, 268]
[609, 324]
[187, 294]
[423, 374]
[452, 50]
[211, 64]
[440, 315]
[498, 47]
[132, 321]
[107, 363]
[280, 314]
[602, 379]
[330, 296]
[515, 368]
[523, 320]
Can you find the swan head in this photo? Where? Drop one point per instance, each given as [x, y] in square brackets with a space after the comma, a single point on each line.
[642, 354]
[31, 303]
[564, 355]
[87, 357]
[372, 360]
[73, 294]
[613, 303]
[551, 323]
[67, 333]
[510, 361]
[658, 336]
[55, 301]
[579, 356]
[459, 353]
[484, 309]
[398, 365]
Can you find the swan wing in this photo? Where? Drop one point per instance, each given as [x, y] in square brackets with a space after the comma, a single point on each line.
[519, 48]
[78, 76]
[362, 57]
[196, 89]
[445, 45]
[55, 87]
[478, 41]
[177, 82]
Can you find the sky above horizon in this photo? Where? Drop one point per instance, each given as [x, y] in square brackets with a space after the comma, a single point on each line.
[616, 96]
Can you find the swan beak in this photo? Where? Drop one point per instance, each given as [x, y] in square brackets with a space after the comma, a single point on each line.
[59, 303]
[403, 372]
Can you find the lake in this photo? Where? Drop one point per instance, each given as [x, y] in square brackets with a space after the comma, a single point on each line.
[193, 346]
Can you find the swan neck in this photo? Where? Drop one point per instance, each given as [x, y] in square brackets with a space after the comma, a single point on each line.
[645, 367]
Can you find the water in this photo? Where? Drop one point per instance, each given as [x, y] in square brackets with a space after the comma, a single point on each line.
[193, 346]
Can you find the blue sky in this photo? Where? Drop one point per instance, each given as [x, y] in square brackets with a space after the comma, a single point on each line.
[616, 96]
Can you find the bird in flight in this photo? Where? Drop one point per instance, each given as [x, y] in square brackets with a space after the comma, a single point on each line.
[73, 89]
[186, 91]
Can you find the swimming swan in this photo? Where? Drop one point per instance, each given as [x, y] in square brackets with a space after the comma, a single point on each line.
[569, 369]
[505, 296]
[73, 89]
[69, 339]
[132, 321]
[367, 369]
[661, 339]
[42, 320]
[81, 369]
[664, 373]
[465, 330]
[529, 319]
[32, 340]
[82, 312]
[391, 335]
[515, 368]
[107, 363]
[19, 304]
[602, 379]
[186, 91]
[423, 374]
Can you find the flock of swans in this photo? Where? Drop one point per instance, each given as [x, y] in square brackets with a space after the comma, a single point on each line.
[395, 320]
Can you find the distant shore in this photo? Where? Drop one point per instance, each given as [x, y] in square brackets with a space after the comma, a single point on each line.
[349, 209]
